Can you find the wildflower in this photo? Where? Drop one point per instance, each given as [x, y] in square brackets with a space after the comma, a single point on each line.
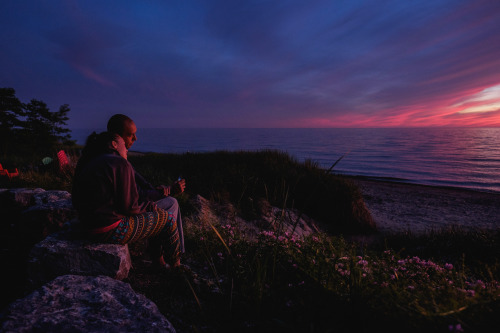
[480, 284]
[448, 266]
[411, 287]
[455, 328]
[362, 262]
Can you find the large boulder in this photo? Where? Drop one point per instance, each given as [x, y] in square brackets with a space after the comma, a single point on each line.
[49, 211]
[72, 303]
[17, 198]
[34, 213]
[64, 253]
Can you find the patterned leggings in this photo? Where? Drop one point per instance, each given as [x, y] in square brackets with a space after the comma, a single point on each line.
[159, 227]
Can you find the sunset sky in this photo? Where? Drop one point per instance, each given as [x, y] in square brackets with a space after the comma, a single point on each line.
[331, 63]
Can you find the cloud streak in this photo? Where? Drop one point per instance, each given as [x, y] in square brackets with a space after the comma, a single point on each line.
[258, 64]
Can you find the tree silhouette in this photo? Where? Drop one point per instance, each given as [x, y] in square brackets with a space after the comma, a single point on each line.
[31, 127]
[11, 109]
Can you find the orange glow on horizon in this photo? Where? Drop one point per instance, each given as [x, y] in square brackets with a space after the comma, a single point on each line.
[474, 109]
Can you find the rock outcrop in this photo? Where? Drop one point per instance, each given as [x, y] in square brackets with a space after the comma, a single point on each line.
[64, 253]
[48, 213]
[17, 198]
[270, 218]
[73, 303]
[77, 280]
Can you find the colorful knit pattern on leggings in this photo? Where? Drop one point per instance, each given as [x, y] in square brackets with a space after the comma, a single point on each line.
[134, 228]
[159, 224]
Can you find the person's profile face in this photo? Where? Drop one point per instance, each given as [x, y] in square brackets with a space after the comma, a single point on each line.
[129, 134]
[119, 145]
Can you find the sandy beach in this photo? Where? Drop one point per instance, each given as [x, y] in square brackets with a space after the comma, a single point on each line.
[399, 207]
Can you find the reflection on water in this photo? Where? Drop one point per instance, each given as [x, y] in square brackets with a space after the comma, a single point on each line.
[464, 157]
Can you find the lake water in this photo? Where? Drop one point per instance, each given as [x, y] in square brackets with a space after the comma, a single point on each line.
[458, 157]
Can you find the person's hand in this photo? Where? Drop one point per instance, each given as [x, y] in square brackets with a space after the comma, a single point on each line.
[164, 189]
[179, 186]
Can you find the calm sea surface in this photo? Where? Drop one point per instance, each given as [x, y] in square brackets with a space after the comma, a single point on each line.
[459, 157]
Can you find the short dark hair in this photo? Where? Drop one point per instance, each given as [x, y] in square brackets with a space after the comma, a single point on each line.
[116, 124]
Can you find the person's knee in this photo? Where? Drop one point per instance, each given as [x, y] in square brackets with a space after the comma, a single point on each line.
[167, 203]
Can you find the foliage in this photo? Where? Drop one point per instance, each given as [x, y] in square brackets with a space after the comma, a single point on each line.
[33, 173]
[32, 127]
[320, 283]
[243, 178]
[10, 111]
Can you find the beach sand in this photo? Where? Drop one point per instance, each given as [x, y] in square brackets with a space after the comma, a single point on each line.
[400, 207]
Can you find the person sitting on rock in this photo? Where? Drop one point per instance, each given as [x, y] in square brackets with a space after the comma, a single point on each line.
[125, 127]
[110, 209]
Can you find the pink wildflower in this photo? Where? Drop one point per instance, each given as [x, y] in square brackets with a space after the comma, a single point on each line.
[362, 262]
[455, 328]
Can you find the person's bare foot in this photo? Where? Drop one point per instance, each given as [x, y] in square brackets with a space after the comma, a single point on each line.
[160, 265]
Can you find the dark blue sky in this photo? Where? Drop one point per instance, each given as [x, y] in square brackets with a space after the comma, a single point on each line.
[257, 63]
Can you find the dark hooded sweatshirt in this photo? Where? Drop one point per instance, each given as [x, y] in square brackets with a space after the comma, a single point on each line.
[104, 191]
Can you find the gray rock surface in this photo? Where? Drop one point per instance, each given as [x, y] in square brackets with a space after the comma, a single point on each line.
[64, 253]
[49, 211]
[72, 303]
[18, 198]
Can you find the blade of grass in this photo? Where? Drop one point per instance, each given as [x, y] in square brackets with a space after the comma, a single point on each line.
[220, 237]
[337, 161]
[194, 293]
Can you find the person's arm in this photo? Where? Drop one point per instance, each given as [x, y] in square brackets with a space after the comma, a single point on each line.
[146, 191]
[126, 192]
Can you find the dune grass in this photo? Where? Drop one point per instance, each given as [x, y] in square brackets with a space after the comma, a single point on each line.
[438, 282]
[243, 178]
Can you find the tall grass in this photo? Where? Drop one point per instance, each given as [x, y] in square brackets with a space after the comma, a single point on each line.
[243, 178]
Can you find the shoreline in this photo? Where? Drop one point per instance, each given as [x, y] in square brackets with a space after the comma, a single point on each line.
[400, 207]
